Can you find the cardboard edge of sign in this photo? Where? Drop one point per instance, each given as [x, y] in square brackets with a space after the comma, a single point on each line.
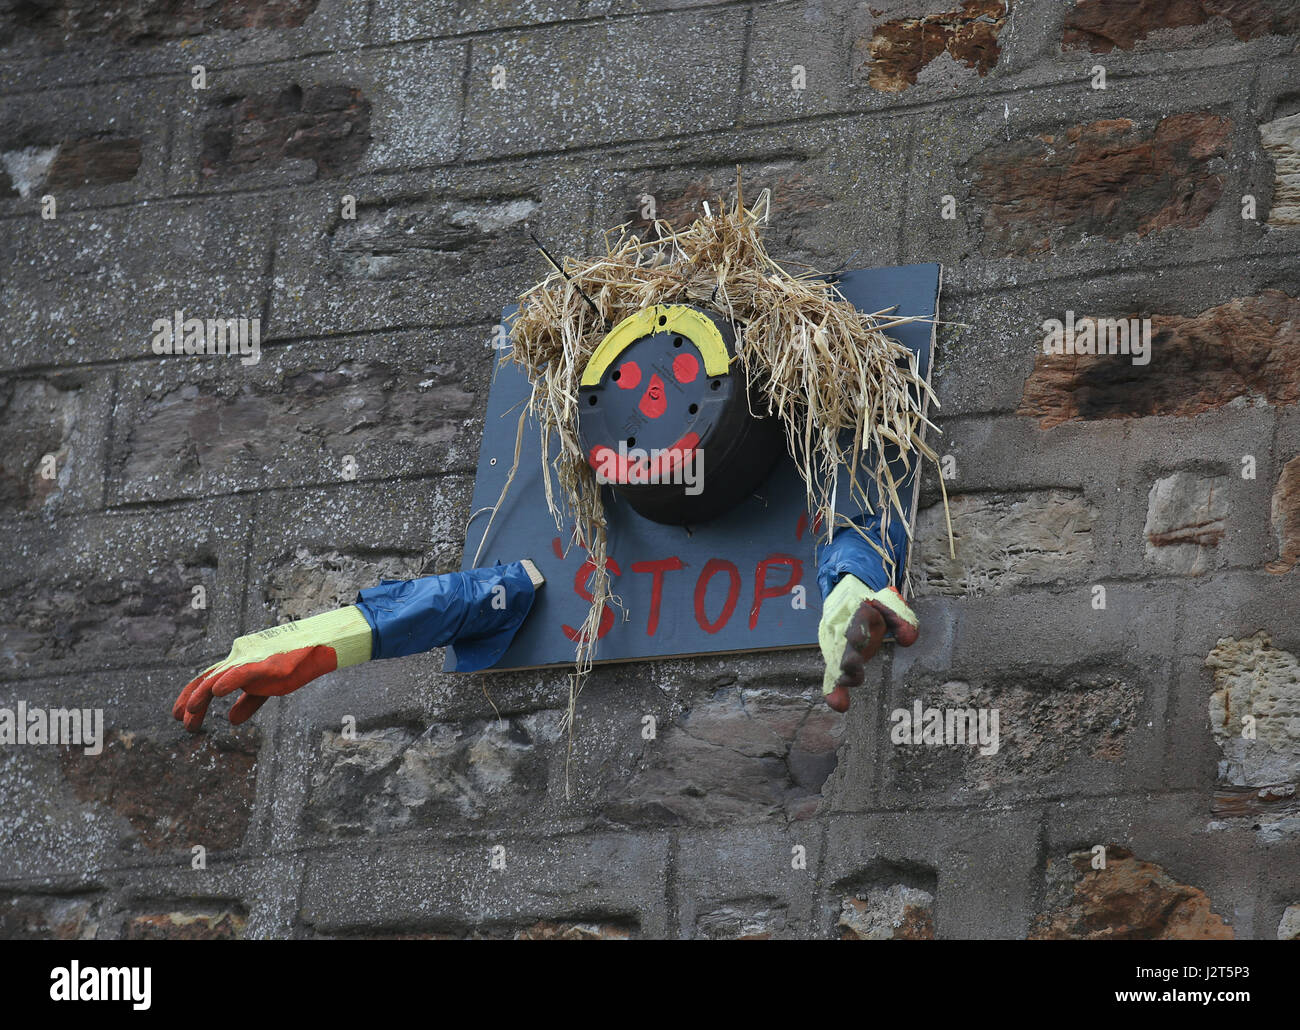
[449, 662]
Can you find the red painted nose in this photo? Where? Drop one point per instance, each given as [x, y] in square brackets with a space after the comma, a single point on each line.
[653, 402]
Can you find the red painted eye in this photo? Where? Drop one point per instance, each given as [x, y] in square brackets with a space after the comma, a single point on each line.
[653, 402]
[686, 368]
[627, 375]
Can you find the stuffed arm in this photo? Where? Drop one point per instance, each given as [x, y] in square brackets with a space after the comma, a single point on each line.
[478, 611]
[860, 603]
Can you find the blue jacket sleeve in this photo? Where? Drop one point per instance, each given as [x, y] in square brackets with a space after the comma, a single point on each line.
[464, 609]
[849, 553]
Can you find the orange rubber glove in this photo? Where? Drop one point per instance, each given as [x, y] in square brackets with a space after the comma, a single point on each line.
[394, 619]
[873, 613]
[275, 662]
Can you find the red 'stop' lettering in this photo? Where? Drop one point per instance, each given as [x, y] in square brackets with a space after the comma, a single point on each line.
[657, 570]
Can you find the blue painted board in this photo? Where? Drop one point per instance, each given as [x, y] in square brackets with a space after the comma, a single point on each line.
[725, 586]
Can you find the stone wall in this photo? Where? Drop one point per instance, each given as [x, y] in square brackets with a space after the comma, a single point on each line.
[1124, 592]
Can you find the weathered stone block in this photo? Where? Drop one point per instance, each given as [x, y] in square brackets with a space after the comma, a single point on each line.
[795, 63]
[66, 621]
[1187, 518]
[82, 143]
[398, 778]
[322, 118]
[1105, 25]
[1004, 541]
[1286, 517]
[322, 544]
[1016, 728]
[897, 912]
[432, 241]
[983, 183]
[1281, 141]
[327, 125]
[1107, 178]
[70, 165]
[744, 919]
[163, 784]
[49, 917]
[1256, 690]
[142, 22]
[74, 816]
[158, 40]
[89, 285]
[38, 419]
[735, 881]
[979, 864]
[455, 254]
[562, 84]
[1244, 348]
[1152, 447]
[612, 878]
[59, 619]
[130, 590]
[1128, 900]
[1235, 604]
[304, 415]
[897, 51]
[1166, 829]
[740, 756]
[553, 931]
[93, 162]
[185, 925]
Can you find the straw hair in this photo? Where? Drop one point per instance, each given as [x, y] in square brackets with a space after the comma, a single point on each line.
[819, 364]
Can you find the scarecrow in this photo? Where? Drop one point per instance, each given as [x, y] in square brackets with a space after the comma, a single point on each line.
[640, 361]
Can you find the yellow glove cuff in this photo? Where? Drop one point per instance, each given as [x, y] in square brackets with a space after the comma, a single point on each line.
[344, 629]
[844, 599]
[841, 605]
